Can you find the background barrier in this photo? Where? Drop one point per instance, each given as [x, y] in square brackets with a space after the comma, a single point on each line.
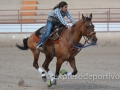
[14, 21]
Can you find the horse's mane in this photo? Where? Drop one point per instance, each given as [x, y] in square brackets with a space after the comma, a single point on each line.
[87, 18]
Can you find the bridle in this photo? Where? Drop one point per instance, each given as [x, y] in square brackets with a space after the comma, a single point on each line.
[88, 34]
[87, 37]
[75, 48]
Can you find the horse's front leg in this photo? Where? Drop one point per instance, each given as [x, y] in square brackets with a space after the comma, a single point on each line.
[73, 65]
[58, 66]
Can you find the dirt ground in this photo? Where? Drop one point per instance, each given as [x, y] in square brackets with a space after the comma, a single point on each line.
[98, 69]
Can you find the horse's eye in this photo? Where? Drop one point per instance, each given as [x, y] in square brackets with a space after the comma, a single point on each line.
[87, 26]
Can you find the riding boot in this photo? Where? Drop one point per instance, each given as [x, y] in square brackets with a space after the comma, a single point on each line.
[39, 48]
[39, 45]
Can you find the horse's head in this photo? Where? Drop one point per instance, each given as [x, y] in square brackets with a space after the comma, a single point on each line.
[88, 29]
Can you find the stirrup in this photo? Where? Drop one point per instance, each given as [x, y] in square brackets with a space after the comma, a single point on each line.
[41, 48]
[38, 49]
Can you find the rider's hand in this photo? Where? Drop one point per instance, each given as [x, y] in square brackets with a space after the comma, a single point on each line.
[69, 27]
[74, 23]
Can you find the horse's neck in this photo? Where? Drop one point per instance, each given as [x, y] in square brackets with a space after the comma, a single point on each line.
[76, 33]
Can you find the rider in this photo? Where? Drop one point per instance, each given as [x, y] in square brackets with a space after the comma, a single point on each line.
[54, 18]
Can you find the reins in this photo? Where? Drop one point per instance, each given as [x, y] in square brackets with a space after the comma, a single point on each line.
[75, 48]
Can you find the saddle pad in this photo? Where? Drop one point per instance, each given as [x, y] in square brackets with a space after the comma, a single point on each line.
[49, 42]
[41, 30]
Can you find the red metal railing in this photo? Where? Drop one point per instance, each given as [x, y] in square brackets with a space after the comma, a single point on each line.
[100, 15]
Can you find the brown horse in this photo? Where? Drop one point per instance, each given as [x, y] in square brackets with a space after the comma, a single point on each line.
[65, 50]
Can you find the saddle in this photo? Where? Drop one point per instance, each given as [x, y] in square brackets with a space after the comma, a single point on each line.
[54, 35]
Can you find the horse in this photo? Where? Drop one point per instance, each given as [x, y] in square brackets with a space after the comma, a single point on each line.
[65, 50]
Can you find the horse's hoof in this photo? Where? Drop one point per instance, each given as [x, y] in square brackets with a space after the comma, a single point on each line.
[54, 82]
[63, 72]
[41, 49]
[44, 78]
[49, 83]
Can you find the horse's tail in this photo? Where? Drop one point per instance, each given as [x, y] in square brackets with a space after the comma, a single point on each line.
[25, 46]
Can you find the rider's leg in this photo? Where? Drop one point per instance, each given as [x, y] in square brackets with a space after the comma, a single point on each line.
[49, 26]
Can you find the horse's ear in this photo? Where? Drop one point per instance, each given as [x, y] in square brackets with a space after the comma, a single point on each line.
[90, 16]
[83, 17]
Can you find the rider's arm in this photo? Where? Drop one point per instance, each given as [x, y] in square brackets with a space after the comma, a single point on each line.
[62, 20]
[70, 17]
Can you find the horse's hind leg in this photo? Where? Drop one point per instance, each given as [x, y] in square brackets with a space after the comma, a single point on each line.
[47, 62]
[35, 64]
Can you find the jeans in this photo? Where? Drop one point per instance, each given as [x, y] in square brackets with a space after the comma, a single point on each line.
[49, 26]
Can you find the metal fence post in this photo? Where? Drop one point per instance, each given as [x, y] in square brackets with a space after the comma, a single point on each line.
[107, 20]
[21, 22]
[79, 15]
[109, 14]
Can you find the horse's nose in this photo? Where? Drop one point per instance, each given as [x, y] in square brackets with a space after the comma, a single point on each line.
[94, 40]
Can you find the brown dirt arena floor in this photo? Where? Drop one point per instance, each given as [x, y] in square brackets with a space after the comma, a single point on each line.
[98, 69]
